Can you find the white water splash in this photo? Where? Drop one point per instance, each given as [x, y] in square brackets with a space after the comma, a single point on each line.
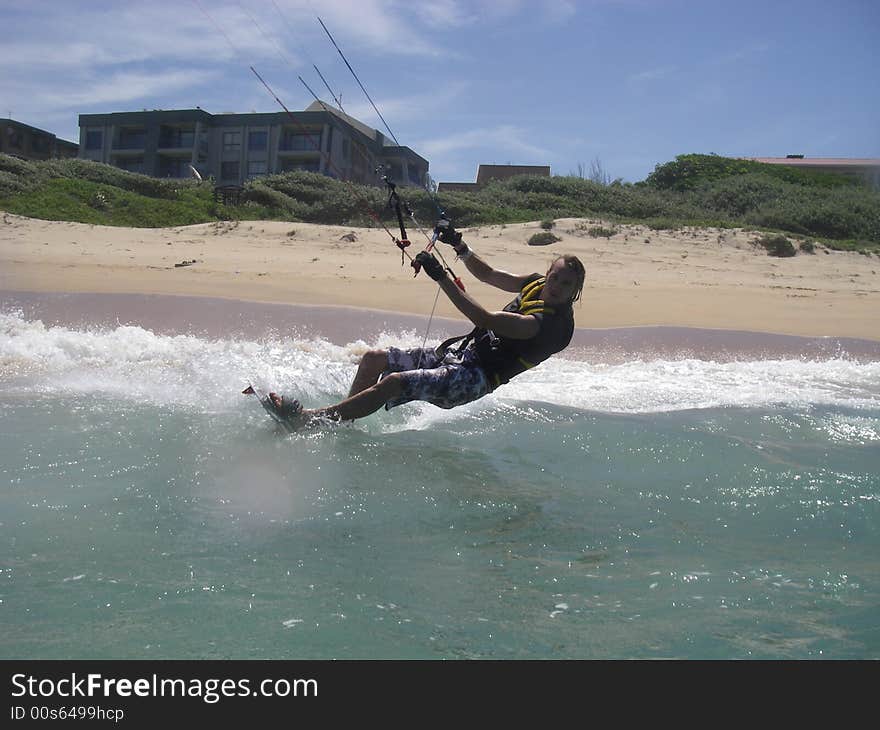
[185, 370]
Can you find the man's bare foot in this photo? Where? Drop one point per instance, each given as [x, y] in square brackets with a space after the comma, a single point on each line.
[289, 411]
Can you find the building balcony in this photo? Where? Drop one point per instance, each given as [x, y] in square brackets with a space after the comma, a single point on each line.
[306, 154]
[130, 143]
[181, 152]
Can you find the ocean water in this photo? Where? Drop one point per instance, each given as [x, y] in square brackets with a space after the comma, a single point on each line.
[634, 508]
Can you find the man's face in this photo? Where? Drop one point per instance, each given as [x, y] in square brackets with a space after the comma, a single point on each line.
[561, 284]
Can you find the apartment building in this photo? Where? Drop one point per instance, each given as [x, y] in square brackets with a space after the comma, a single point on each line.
[30, 143]
[234, 148]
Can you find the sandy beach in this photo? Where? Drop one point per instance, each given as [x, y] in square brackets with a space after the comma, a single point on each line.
[701, 278]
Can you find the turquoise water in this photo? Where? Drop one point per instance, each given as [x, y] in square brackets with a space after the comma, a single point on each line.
[633, 509]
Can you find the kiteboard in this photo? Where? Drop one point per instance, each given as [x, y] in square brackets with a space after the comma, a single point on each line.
[269, 407]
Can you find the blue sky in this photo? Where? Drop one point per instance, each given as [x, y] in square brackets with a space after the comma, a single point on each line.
[631, 83]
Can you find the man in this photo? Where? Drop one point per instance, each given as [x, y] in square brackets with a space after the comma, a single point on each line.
[534, 326]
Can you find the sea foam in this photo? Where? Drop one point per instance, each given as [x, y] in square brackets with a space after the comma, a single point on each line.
[187, 370]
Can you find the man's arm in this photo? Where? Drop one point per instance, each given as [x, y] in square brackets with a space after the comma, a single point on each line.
[495, 277]
[479, 268]
[504, 324]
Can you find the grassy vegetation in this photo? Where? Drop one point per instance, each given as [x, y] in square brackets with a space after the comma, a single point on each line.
[807, 247]
[601, 231]
[692, 190]
[690, 172]
[88, 192]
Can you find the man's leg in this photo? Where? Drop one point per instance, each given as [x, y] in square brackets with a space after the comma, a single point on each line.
[359, 405]
[372, 365]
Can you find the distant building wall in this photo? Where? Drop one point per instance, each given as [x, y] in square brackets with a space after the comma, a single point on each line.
[867, 169]
[487, 173]
[30, 143]
[455, 187]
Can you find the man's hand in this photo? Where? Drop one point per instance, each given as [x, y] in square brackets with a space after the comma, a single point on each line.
[431, 265]
[446, 233]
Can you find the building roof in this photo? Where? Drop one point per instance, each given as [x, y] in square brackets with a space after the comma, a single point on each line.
[388, 146]
[321, 106]
[37, 130]
[135, 118]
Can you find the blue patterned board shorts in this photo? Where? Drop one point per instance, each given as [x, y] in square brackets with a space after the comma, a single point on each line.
[446, 382]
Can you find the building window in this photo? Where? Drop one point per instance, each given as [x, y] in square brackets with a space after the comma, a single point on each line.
[231, 142]
[41, 144]
[94, 139]
[257, 140]
[176, 138]
[132, 139]
[14, 138]
[300, 142]
[256, 168]
[229, 170]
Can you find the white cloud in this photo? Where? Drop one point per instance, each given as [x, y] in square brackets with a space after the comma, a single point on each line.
[444, 14]
[407, 108]
[36, 55]
[503, 140]
[370, 24]
[749, 52]
[559, 11]
[78, 40]
[653, 74]
[122, 87]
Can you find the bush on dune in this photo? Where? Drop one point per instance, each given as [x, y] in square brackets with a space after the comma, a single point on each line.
[692, 190]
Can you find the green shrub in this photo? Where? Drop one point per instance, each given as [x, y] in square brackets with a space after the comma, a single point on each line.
[99, 200]
[17, 166]
[777, 246]
[601, 232]
[97, 172]
[547, 224]
[12, 184]
[687, 172]
[271, 198]
[84, 201]
[737, 196]
[544, 238]
[807, 247]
